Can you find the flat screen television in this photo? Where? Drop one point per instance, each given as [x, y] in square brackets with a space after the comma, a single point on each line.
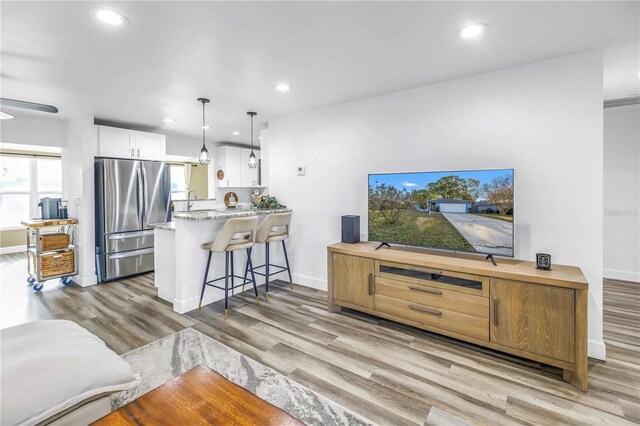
[466, 211]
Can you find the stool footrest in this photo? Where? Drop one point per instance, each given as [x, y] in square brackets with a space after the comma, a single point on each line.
[271, 265]
[244, 282]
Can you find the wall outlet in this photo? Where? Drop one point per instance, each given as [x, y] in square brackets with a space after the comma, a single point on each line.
[76, 201]
[301, 170]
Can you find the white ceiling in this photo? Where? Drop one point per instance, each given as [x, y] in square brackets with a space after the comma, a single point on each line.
[331, 52]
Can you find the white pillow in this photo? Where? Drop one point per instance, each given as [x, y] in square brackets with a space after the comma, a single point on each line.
[48, 367]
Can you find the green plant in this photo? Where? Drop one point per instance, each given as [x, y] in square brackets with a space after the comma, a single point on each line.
[267, 202]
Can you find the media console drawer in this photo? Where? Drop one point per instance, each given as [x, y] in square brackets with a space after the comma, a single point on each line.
[457, 281]
[443, 319]
[476, 306]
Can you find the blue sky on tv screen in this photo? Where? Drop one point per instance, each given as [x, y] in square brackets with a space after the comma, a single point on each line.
[411, 181]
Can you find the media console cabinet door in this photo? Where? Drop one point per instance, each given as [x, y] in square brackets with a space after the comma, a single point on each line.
[534, 318]
[353, 280]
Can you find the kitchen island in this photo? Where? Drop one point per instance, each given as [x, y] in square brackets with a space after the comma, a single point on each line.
[180, 260]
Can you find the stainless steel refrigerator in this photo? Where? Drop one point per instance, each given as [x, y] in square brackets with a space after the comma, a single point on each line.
[129, 195]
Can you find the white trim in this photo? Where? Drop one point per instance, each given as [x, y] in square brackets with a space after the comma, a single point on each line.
[312, 282]
[597, 349]
[85, 280]
[13, 228]
[210, 296]
[13, 249]
[615, 274]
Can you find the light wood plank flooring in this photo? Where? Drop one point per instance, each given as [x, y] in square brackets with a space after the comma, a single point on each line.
[389, 373]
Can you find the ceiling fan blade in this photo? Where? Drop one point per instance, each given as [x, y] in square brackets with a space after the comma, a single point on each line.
[5, 115]
[28, 105]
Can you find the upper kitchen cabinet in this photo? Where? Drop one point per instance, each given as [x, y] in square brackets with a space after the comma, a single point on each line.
[233, 162]
[125, 143]
[248, 176]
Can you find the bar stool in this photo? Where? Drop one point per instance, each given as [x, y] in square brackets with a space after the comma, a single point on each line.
[274, 228]
[226, 242]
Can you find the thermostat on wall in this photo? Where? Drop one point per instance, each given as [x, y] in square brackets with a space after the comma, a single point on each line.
[301, 170]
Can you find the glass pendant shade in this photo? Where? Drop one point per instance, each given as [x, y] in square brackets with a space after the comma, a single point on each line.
[204, 156]
[253, 161]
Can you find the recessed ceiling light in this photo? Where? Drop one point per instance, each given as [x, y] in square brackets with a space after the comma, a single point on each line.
[109, 17]
[236, 133]
[206, 127]
[283, 87]
[259, 137]
[471, 31]
[168, 120]
[5, 116]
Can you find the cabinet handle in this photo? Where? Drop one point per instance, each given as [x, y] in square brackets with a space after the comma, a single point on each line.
[495, 311]
[425, 310]
[370, 284]
[132, 153]
[138, 152]
[424, 290]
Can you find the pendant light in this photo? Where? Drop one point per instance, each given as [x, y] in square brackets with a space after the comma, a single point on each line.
[253, 161]
[204, 154]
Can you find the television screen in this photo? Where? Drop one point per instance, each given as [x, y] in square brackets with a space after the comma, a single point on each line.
[468, 211]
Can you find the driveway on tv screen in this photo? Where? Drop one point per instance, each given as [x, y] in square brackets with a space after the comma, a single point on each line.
[485, 234]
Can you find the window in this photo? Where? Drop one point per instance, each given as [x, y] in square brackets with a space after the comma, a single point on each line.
[178, 182]
[23, 181]
[49, 178]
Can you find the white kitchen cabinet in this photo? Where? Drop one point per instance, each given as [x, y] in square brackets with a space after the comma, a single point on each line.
[116, 143]
[229, 162]
[248, 176]
[233, 161]
[124, 143]
[150, 146]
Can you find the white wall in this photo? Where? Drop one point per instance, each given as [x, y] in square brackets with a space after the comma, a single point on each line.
[34, 130]
[622, 193]
[543, 119]
[78, 188]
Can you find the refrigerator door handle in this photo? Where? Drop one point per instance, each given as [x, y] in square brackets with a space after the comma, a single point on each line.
[128, 235]
[141, 196]
[132, 253]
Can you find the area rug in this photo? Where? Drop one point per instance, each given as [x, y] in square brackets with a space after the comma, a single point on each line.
[167, 358]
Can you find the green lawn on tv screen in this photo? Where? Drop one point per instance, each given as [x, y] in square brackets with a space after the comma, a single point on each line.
[417, 228]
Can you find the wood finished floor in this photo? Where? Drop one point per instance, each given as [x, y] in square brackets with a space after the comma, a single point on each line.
[386, 372]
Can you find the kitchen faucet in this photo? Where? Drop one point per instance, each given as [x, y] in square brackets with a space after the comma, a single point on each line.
[195, 197]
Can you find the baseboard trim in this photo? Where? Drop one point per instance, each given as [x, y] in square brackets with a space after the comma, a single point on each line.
[597, 349]
[312, 282]
[211, 295]
[13, 249]
[615, 274]
[85, 280]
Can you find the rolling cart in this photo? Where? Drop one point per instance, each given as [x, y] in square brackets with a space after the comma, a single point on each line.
[51, 251]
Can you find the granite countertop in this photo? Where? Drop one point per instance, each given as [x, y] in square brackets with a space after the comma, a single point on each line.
[167, 226]
[224, 214]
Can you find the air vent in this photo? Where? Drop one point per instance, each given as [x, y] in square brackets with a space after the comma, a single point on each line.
[620, 102]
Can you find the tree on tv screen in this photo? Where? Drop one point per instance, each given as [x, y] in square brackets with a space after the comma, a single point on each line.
[500, 193]
[454, 187]
[388, 201]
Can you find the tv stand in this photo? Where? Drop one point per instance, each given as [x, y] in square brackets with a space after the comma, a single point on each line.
[382, 244]
[490, 257]
[511, 307]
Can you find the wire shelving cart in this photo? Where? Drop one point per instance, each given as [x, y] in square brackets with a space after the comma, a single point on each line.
[51, 251]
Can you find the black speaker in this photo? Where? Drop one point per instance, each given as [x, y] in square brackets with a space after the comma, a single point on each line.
[543, 261]
[350, 229]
